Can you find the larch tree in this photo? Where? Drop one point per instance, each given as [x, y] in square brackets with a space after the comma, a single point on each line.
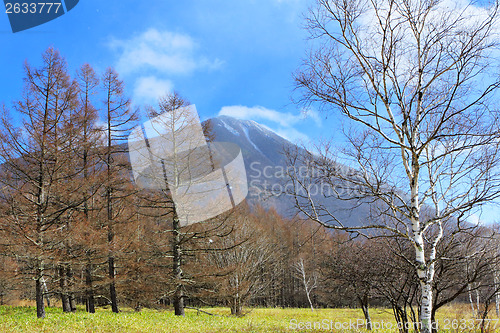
[119, 120]
[415, 82]
[36, 179]
[88, 83]
[182, 187]
[174, 124]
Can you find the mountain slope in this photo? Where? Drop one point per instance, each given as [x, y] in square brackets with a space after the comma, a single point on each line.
[266, 163]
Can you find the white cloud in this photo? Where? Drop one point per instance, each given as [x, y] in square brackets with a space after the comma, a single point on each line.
[311, 114]
[162, 51]
[282, 122]
[292, 135]
[149, 88]
[474, 219]
[261, 113]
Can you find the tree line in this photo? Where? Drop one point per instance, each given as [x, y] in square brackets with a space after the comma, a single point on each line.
[75, 228]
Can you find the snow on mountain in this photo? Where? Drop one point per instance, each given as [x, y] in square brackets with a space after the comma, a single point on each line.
[229, 128]
[265, 162]
[245, 130]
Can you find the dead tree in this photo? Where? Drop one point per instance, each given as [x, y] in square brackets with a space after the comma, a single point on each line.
[38, 170]
[120, 119]
[183, 181]
[88, 83]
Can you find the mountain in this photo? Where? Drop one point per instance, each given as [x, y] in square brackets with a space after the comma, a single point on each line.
[263, 154]
[266, 163]
[256, 141]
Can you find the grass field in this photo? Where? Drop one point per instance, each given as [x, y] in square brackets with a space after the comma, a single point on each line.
[23, 319]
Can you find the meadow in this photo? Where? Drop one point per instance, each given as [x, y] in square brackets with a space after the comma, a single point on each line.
[23, 319]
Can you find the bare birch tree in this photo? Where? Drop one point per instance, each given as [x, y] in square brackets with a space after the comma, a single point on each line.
[310, 282]
[416, 82]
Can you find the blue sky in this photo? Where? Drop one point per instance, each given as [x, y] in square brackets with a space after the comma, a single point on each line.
[227, 57]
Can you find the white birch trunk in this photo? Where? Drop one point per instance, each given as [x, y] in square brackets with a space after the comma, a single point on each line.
[45, 290]
[425, 285]
[426, 307]
[308, 284]
[424, 272]
[471, 301]
[478, 303]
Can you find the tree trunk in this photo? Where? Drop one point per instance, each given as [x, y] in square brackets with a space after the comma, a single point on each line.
[307, 288]
[111, 258]
[478, 303]
[471, 302]
[63, 288]
[497, 304]
[46, 291]
[364, 306]
[433, 318]
[111, 235]
[237, 306]
[90, 290]
[112, 287]
[71, 296]
[40, 307]
[497, 294]
[176, 267]
[484, 315]
[236, 309]
[400, 316]
[425, 272]
[426, 307]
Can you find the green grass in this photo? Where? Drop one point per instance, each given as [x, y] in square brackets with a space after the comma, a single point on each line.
[23, 319]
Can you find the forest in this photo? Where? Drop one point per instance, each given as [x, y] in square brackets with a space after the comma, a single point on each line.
[76, 230]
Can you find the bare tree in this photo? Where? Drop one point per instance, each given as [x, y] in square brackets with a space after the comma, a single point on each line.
[351, 267]
[119, 121]
[38, 175]
[249, 255]
[310, 282]
[173, 164]
[416, 81]
[88, 82]
[175, 121]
